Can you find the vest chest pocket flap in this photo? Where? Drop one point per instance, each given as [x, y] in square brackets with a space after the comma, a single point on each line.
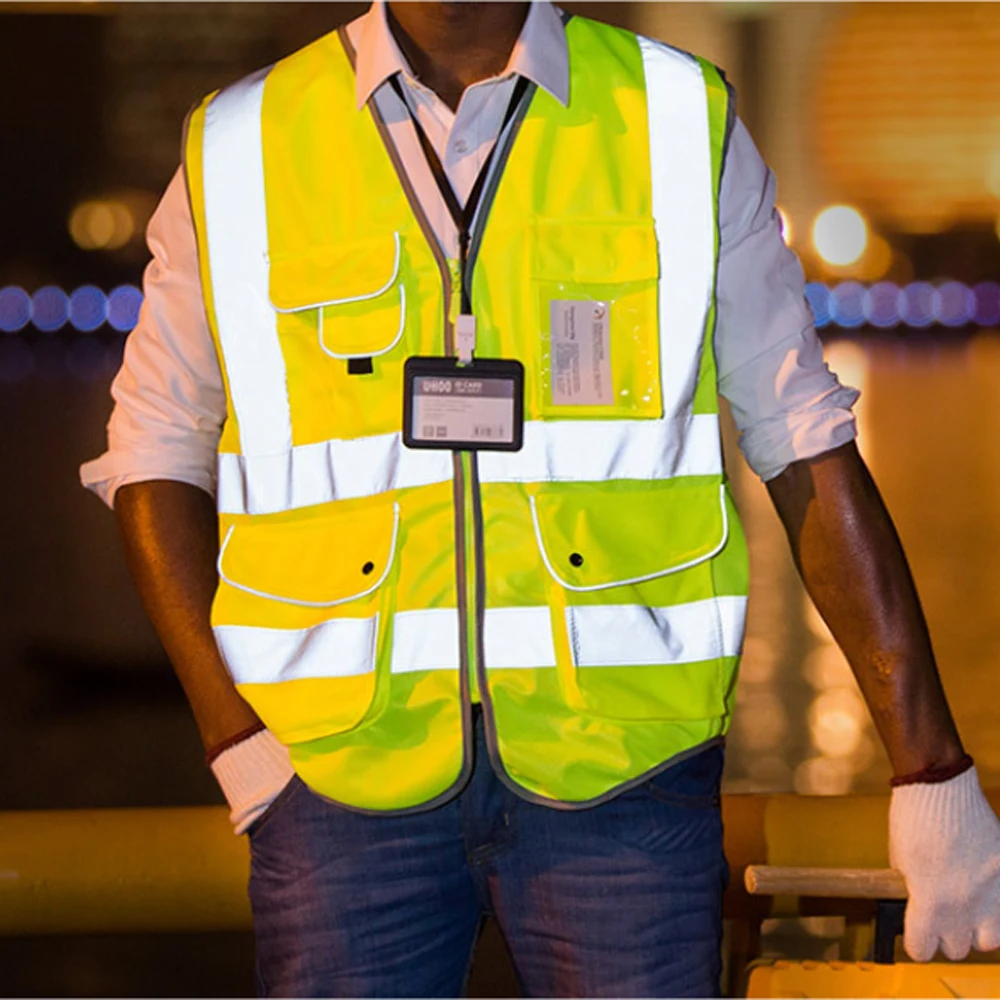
[630, 565]
[596, 319]
[351, 298]
[313, 588]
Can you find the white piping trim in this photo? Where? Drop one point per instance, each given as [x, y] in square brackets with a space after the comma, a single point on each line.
[352, 298]
[636, 579]
[312, 604]
[367, 354]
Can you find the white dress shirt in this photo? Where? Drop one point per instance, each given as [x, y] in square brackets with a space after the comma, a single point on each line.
[169, 396]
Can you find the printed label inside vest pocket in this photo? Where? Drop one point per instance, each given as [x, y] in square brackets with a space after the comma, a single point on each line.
[471, 407]
[579, 346]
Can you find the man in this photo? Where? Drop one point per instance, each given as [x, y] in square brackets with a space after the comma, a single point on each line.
[488, 612]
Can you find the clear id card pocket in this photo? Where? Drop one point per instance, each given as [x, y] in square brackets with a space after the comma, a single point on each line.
[597, 328]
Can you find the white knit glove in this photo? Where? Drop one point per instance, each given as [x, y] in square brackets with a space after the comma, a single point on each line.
[251, 773]
[945, 839]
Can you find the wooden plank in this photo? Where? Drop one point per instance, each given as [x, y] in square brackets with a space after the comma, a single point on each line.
[839, 883]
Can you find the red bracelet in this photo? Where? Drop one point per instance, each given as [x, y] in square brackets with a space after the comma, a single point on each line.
[220, 748]
[934, 775]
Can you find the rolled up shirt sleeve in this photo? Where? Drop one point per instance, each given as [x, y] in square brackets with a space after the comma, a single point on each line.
[169, 396]
[786, 402]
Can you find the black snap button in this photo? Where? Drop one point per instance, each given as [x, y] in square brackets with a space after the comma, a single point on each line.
[576, 559]
[367, 568]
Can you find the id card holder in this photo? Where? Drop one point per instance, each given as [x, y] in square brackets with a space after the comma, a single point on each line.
[474, 407]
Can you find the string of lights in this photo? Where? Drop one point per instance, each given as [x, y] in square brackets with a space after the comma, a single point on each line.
[846, 305]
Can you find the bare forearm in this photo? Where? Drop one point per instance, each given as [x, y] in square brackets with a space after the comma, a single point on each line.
[171, 542]
[853, 566]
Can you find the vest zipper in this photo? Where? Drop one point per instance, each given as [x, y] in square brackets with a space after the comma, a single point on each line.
[467, 505]
[465, 509]
[464, 537]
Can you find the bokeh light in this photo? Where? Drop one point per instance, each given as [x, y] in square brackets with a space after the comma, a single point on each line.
[101, 225]
[847, 304]
[881, 305]
[987, 308]
[824, 776]
[827, 667]
[836, 720]
[818, 297]
[15, 309]
[88, 308]
[918, 304]
[49, 309]
[956, 304]
[840, 235]
[124, 303]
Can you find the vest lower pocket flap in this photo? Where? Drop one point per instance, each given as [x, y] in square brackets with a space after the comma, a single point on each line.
[340, 275]
[595, 252]
[615, 534]
[314, 562]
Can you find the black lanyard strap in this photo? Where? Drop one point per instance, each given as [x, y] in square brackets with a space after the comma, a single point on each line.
[462, 215]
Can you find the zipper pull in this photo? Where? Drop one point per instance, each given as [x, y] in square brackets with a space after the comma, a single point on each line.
[455, 305]
[465, 338]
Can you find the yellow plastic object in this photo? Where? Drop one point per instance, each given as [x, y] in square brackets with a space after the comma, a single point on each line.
[121, 870]
[865, 979]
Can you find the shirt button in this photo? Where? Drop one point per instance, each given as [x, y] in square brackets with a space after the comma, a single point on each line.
[460, 146]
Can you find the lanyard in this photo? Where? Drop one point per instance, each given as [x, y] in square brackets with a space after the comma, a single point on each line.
[462, 215]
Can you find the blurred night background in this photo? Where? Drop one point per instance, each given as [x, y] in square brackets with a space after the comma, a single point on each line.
[882, 123]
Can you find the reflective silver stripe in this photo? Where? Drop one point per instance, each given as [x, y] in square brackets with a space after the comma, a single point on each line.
[516, 638]
[342, 647]
[236, 230]
[631, 635]
[345, 647]
[328, 470]
[425, 640]
[596, 450]
[561, 451]
[683, 214]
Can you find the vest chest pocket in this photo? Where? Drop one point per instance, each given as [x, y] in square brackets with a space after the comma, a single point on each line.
[300, 617]
[644, 635]
[352, 296]
[597, 325]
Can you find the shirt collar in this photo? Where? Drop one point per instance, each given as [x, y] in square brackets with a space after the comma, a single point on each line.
[540, 53]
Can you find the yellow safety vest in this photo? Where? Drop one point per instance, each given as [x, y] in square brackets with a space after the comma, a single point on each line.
[589, 589]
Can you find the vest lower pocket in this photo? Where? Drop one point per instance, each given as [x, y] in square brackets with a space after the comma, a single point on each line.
[641, 633]
[300, 615]
[635, 662]
[305, 683]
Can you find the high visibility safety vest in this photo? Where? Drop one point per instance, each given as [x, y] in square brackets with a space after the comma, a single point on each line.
[589, 589]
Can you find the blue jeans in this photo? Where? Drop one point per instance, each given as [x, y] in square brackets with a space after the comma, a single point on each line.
[622, 899]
